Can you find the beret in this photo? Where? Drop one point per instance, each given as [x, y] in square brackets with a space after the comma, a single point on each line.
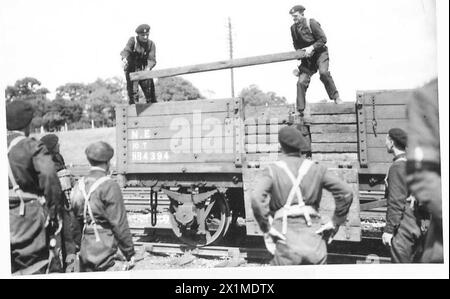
[50, 141]
[143, 28]
[99, 151]
[18, 114]
[299, 8]
[292, 138]
[399, 136]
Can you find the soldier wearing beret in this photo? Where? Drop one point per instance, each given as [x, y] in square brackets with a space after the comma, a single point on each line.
[32, 178]
[424, 166]
[66, 242]
[98, 205]
[139, 55]
[286, 199]
[308, 35]
[402, 232]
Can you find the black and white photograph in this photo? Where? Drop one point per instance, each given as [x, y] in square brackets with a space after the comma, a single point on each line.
[224, 140]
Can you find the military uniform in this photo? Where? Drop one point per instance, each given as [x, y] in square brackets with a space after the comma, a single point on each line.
[33, 171]
[69, 230]
[305, 34]
[424, 165]
[139, 56]
[102, 215]
[303, 245]
[401, 220]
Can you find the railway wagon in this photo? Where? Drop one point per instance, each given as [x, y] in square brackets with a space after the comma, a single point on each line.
[193, 164]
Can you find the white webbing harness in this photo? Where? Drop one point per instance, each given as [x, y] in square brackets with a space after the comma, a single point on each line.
[87, 206]
[289, 209]
[16, 188]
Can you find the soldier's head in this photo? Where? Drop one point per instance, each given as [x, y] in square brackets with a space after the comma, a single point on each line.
[51, 143]
[297, 12]
[99, 154]
[143, 32]
[18, 116]
[292, 140]
[396, 139]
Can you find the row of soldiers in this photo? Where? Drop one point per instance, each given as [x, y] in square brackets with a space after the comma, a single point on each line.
[50, 231]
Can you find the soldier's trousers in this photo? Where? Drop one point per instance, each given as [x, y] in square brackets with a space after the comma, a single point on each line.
[303, 246]
[308, 67]
[147, 86]
[28, 237]
[406, 245]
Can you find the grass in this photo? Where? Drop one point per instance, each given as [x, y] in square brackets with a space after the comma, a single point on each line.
[73, 143]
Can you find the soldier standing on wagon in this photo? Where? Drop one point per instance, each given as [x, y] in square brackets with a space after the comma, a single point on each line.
[289, 192]
[139, 55]
[98, 204]
[35, 200]
[309, 36]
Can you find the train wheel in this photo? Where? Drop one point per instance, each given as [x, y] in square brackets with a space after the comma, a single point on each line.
[201, 225]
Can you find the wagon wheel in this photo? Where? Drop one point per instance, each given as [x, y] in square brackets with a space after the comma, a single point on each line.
[203, 224]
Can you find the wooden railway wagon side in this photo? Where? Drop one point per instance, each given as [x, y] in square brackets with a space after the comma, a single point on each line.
[205, 154]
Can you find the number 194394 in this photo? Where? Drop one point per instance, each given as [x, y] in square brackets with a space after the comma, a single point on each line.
[149, 156]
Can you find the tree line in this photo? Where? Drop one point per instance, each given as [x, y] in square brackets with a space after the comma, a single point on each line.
[77, 105]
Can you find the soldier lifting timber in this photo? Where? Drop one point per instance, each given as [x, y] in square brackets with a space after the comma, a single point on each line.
[287, 197]
[35, 200]
[139, 55]
[97, 203]
[309, 36]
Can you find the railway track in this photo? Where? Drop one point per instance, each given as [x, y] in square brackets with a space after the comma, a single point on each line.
[238, 254]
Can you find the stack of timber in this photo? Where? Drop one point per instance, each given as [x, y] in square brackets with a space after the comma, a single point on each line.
[334, 144]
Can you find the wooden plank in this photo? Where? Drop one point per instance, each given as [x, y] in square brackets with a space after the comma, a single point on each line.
[384, 125]
[219, 65]
[262, 148]
[268, 111]
[262, 129]
[331, 108]
[332, 128]
[261, 138]
[372, 205]
[166, 157]
[154, 133]
[349, 157]
[379, 155]
[334, 147]
[387, 111]
[179, 107]
[387, 97]
[183, 168]
[334, 137]
[376, 167]
[186, 145]
[331, 119]
[176, 121]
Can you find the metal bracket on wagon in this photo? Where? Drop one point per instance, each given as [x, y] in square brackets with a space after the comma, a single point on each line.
[187, 198]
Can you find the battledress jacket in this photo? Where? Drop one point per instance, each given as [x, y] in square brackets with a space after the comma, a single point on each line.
[108, 209]
[139, 55]
[34, 171]
[272, 190]
[303, 37]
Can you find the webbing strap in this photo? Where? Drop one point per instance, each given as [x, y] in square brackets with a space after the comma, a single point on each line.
[295, 190]
[16, 187]
[87, 206]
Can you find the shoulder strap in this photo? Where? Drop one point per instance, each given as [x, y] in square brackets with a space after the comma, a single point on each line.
[308, 24]
[295, 190]
[87, 206]
[16, 187]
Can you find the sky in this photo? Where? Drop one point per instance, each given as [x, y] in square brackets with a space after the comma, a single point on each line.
[373, 44]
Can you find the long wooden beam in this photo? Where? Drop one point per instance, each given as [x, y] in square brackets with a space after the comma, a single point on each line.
[219, 65]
